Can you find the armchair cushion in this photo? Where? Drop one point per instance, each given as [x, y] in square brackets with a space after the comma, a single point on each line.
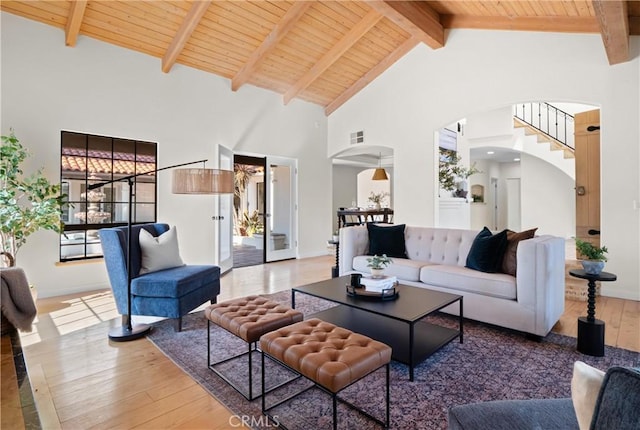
[514, 414]
[618, 400]
[159, 252]
[174, 282]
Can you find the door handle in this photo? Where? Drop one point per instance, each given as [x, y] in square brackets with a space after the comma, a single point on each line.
[217, 218]
[580, 190]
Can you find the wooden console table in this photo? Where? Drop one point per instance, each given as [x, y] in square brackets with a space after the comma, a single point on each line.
[590, 329]
[363, 216]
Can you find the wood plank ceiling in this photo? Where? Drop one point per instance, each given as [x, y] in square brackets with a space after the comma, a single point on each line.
[323, 52]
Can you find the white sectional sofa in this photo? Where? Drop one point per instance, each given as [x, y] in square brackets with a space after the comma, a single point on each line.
[530, 302]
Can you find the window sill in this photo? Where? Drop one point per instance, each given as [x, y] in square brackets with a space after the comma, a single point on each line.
[78, 262]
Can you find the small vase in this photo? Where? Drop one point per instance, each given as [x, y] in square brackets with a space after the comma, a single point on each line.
[377, 273]
[592, 267]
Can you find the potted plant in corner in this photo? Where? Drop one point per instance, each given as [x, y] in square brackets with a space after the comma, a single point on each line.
[594, 255]
[27, 203]
[377, 264]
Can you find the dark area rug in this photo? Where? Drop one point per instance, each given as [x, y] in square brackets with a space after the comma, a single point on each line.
[491, 364]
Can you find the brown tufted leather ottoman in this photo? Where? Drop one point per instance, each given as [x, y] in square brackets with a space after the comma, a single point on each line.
[330, 356]
[247, 318]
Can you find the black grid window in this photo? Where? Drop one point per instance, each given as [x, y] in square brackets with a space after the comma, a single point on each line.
[87, 159]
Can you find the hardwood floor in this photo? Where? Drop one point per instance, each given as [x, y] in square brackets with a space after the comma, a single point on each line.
[81, 380]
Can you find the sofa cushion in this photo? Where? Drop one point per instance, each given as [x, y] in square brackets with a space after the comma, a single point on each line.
[487, 251]
[174, 282]
[510, 260]
[402, 268]
[439, 245]
[464, 279]
[387, 240]
[585, 386]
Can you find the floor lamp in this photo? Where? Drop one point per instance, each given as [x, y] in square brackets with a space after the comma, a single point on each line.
[185, 181]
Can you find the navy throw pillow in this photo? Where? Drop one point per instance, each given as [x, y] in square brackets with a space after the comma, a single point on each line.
[387, 240]
[487, 251]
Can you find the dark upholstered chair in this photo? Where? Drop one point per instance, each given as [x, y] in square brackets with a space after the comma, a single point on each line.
[169, 293]
[616, 408]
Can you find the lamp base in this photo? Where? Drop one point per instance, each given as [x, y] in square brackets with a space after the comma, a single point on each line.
[123, 334]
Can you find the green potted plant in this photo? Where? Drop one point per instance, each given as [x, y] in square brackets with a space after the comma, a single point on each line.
[450, 172]
[594, 256]
[252, 224]
[27, 203]
[377, 264]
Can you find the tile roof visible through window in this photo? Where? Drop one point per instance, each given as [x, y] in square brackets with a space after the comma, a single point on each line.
[107, 154]
[100, 165]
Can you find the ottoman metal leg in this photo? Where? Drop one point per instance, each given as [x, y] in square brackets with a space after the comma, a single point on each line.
[212, 366]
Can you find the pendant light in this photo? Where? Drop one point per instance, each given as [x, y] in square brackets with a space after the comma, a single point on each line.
[380, 174]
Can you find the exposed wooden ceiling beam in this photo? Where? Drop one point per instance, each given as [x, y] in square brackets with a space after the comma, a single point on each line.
[634, 25]
[372, 74]
[415, 17]
[195, 14]
[281, 29]
[72, 29]
[560, 24]
[614, 28]
[342, 46]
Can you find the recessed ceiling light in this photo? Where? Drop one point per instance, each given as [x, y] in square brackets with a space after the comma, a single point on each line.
[491, 152]
[516, 159]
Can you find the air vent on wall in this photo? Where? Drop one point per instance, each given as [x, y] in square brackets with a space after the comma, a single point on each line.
[357, 137]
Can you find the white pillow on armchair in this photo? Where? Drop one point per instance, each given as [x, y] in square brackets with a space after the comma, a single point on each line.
[159, 253]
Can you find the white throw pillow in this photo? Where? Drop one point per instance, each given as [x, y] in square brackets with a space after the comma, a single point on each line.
[159, 252]
[585, 386]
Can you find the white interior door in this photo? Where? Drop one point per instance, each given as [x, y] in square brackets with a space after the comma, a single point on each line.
[223, 218]
[281, 217]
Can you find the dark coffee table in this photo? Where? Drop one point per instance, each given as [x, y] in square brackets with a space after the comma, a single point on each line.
[394, 322]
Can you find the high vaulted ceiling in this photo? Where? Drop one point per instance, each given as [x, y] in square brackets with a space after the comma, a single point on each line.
[323, 52]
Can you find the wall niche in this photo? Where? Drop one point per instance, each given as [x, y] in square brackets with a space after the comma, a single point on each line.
[477, 193]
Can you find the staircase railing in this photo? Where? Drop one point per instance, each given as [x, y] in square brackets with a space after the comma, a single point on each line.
[554, 122]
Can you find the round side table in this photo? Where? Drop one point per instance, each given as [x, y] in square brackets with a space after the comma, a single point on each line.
[590, 329]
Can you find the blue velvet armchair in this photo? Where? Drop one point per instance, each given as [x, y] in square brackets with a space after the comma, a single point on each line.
[169, 293]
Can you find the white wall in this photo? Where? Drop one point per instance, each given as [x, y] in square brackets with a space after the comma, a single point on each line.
[103, 89]
[548, 198]
[479, 71]
[490, 124]
[345, 189]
